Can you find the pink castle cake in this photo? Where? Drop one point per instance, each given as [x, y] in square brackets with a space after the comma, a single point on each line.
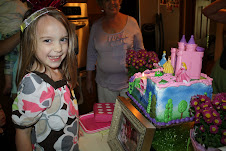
[187, 53]
[164, 94]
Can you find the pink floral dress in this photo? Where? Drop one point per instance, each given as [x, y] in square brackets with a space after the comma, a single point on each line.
[51, 109]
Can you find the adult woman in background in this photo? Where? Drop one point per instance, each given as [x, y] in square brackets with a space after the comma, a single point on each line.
[110, 37]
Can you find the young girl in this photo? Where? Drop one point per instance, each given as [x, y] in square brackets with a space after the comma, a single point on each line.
[45, 111]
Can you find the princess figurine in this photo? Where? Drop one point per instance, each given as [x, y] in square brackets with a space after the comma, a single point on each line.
[167, 67]
[163, 60]
[181, 75]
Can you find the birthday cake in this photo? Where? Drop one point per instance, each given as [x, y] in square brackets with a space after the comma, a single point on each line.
[163, 94]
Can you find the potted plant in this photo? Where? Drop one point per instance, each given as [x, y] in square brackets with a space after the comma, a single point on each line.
[139, 61]
[209, 131]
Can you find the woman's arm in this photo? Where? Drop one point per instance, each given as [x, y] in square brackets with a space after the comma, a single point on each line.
[89, 82]
[23, 139]
[91, 60]
[9, 44]
[216, 11]
[138, 39]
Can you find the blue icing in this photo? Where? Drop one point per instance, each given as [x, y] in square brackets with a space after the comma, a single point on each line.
[177, 94]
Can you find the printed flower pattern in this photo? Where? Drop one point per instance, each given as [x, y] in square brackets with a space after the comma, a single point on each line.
[68, 141]
[51, 109]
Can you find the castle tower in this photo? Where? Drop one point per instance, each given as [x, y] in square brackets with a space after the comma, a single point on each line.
[182, 43]
[191, 57]
[177, 61]
[191, 45]
[173, 57]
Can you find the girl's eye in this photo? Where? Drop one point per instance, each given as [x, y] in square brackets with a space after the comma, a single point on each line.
[47, 40]
[64, 39]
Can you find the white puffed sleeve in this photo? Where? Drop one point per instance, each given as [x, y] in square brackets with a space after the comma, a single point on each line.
[34, 96]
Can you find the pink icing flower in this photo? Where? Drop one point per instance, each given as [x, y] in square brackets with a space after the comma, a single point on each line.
[213, 129]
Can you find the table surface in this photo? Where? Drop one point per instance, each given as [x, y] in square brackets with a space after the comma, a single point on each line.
[94, 142]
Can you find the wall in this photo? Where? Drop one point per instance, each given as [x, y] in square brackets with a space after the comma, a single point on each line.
[148, 11]
[94, 11]
[171, 27]
[93, 7]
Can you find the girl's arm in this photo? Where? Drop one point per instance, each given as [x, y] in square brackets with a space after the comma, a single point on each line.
[9, 44]
[23, 139]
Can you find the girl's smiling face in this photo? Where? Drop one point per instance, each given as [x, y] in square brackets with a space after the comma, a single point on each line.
[52, 42]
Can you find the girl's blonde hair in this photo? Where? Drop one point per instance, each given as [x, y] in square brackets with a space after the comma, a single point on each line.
[28, 47]
[184, 64]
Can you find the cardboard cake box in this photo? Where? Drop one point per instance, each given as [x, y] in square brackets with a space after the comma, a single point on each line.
[103, 112]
